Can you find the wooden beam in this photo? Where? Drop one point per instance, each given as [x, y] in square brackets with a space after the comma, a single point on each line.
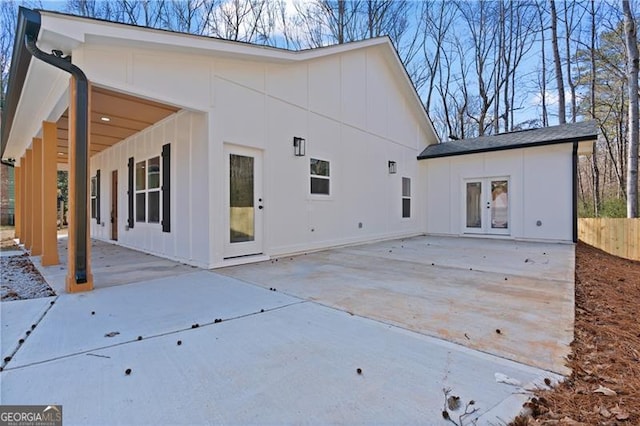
[29, 199]
[71, 285]
[36, 211]
[49, 195]
[23, 198]
[17, 189]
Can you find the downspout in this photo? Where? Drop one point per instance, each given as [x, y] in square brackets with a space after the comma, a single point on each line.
[575, 191]
[82, 149]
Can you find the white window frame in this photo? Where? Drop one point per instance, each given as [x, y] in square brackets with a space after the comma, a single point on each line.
[94, 197]
[314, 176]
[147, 191]
[405, 197]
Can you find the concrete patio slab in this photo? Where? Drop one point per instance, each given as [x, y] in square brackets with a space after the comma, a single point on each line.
[79, 323]
[16, 318]
[293, 365]
[508, 298]
[112, 265]
[9, 253]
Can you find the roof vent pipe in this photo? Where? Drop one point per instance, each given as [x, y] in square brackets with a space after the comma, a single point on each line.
[81, 153]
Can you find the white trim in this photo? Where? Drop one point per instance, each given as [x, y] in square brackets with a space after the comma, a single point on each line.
[486, 207]
[317, 195]
[256, 246]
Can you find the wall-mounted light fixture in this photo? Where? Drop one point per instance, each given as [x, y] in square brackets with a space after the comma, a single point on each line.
[299, 149]
[393, 168]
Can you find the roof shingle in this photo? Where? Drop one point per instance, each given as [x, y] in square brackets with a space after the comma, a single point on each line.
[564, 133]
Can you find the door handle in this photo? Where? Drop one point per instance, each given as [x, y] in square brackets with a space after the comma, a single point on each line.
[260, 207]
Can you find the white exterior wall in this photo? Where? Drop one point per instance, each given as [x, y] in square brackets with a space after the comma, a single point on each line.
[352, 109]
[357, 122]
[540, 189]
[187, 241]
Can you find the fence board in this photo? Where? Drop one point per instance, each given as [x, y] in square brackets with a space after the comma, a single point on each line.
[620, 237]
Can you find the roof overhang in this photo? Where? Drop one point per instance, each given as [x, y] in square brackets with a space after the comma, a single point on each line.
[28, 24]
[584, 134]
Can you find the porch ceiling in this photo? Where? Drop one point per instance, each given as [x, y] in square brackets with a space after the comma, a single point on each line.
[126, 114]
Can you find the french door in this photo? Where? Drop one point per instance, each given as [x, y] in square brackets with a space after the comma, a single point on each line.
[486, 209]
[244, 204]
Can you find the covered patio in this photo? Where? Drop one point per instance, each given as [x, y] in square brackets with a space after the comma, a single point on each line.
[82, 120]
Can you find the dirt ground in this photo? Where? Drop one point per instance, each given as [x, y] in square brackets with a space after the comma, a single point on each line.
[6, 238]
[604, 388]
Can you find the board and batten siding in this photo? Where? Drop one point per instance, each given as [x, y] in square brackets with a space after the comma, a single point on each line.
[187, 241]
[352, 108]
[540, 190]
[328, 102]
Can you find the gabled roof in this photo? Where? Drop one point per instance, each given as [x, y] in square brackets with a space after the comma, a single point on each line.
[66, 32]
[564, 133]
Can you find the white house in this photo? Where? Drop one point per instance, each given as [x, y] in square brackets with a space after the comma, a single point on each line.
[518, 185]
[214, 153]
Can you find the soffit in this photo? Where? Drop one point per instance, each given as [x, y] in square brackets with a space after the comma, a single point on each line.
[126, 114]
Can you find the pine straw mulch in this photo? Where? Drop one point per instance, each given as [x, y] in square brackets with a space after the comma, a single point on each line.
[604, 388]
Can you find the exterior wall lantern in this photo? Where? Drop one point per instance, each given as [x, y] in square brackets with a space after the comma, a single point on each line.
[393, 168]
[299, 146]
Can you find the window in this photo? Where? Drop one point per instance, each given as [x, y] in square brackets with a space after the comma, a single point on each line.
[320, 181]
[406, 197]
[153, 188]
[141, 194]
[94, 196]
[148, 190]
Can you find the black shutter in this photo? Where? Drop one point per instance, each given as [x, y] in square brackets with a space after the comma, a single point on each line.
[130, 192]
[98, 196]
[166, 188]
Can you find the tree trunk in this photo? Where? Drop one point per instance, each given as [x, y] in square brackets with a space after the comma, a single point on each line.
[568, 22]
[631, 38]
[558, 65]
[594, 153]
[543, 78]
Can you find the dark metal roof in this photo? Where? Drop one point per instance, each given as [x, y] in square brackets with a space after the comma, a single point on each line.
[564, 133]
[28, 24]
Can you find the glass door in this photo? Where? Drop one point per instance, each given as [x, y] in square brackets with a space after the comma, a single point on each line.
[244, 203]
[486, 207]
[473, 208]
[499, 206]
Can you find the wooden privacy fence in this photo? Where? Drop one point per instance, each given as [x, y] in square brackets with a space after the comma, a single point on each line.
[620, 237]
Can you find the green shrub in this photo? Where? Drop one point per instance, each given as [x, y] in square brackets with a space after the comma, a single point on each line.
[611, 207]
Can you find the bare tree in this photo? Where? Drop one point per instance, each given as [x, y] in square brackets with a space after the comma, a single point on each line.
[242, 20]
[521, 29]
[570, 23]
[558, 65]
[435, 23]
[478, 19]
[631, 39]
[594, 154]
[8, 15]
[543, 68]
